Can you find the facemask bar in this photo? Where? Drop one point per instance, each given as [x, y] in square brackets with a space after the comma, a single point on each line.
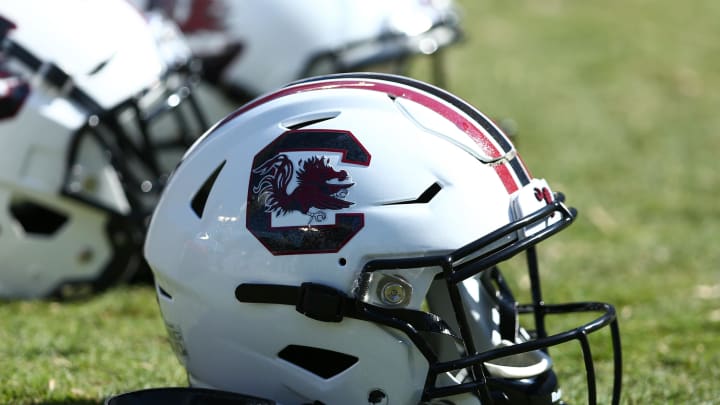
[608, 317]
[539, 309]
[464, 263]
[137, 159]
[327, 304]
[106, 129]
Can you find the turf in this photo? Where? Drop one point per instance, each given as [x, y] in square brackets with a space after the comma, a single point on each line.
[616, 104]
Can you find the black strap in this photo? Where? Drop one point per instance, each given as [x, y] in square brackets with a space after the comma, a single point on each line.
[185, 396]
[52, 73]
[5, 27]
[315, 301]
[267, 293]
[327, 304]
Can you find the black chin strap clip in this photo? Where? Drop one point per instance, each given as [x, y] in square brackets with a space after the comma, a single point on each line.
[326, 304]
[321, 302]
[315, 301]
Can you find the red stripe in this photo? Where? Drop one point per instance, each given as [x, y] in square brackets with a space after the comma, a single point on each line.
[507, 178]
[467, 126]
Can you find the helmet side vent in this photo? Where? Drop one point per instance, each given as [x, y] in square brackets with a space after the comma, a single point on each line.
[306, 120]
[200, 199]
[37, 219]
[100, 66]
[423, 198]
[321, 362]
[163, 293]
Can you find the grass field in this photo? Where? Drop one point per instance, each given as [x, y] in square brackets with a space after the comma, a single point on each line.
[616, 104]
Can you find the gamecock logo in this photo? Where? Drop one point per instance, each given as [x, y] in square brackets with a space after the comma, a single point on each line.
[298, 195]
[314, 189]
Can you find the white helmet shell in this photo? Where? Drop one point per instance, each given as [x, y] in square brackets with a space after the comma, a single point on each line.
[86, 105]
[253, 47]
[300, 243]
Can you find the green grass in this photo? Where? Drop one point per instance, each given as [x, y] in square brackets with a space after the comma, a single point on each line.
[617, 104]
[80, 352]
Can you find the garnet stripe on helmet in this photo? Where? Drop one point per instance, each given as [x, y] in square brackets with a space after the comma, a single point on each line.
[492, 142]
[487, 124]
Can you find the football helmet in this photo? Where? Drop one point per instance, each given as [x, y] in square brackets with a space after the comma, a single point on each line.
[338, 240]
[252, 47]
[96, 107]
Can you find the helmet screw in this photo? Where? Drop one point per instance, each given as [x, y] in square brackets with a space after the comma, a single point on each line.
[393, 293]
[393, 290]
[85, 256]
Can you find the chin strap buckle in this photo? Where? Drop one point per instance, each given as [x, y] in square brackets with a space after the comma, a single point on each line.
[321, 302]
[315, 301]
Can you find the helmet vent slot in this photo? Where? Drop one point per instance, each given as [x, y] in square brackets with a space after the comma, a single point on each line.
[100, 66]
[164, 293]
[200, 199]
[37, 219]
[309, 119]
[424, 198]
[321, 362]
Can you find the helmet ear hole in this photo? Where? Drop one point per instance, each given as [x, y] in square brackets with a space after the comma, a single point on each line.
[37, 219]
[321, 362]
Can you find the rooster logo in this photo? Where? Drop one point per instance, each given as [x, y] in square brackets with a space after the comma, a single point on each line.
[297, 195]
[319, 187]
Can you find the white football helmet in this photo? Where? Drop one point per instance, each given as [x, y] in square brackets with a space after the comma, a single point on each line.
[96, 107]
[338, 240]
[252, 47]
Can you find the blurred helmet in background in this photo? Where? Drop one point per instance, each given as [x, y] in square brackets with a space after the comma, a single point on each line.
[338, 240]
[96, 107]
[252, 47]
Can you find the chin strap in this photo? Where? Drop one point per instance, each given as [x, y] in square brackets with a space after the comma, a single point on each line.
[326, 304]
